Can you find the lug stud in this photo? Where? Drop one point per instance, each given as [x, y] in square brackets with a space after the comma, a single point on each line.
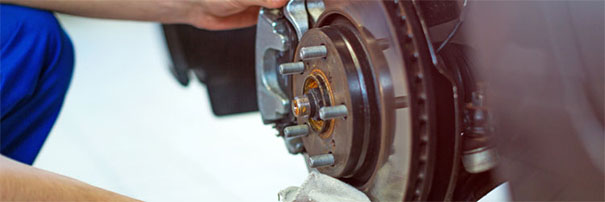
[327, 113]
[291, 68]
[312, 52]
[383, 44]
[296, 131]
[321, 160]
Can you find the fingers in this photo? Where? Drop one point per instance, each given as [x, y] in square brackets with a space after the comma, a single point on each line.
[263, 3]
[231, 14]
[230, 7]
[245, 18]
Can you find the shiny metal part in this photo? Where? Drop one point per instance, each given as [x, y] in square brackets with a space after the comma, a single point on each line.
[313, 52]
[291, 68]
[301, 107]
[296, 12]
[296, 131]
[321, 160]
[478, 156]
[327, 113]
[315, 9]
[479, 160]
[272, 40]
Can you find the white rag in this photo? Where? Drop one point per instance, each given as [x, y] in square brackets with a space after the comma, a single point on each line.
[322, 188]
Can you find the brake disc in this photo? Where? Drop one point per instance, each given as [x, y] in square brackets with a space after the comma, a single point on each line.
[361, 80]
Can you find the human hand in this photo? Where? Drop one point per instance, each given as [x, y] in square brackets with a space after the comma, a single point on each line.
[228, 14]
[205, 14]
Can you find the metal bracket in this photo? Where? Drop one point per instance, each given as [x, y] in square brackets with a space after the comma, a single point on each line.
[272, 43]
[315, 8]
[296, 12]
[278, 31]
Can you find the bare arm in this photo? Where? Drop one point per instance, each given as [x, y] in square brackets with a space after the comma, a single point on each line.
[208, 14]
[20, 182]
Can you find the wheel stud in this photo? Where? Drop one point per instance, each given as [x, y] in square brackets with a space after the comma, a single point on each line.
[321, 160]
[296, 131]
[312, 52]
[291, 68]
[327, 113]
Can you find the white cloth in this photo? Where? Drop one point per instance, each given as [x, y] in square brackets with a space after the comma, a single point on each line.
[322, 188]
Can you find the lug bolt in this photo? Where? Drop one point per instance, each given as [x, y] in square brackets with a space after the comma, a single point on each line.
[312, 52]
[296, 131]
[291, 68]
[327, 113]
[321, 160]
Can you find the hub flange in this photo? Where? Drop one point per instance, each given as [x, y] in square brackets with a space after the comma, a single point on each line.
[339, 85]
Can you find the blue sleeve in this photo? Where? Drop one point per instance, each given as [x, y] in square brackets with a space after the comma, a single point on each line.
[36, 64]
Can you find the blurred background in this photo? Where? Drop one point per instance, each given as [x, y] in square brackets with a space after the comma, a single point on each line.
[128, 126]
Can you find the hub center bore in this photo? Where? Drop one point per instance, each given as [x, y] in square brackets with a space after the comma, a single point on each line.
[316, 94]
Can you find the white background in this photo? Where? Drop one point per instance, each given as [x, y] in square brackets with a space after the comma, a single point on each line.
[129, 127]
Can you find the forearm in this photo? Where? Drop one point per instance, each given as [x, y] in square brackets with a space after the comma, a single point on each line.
[165, 11]
[207, 14]
[20, 182]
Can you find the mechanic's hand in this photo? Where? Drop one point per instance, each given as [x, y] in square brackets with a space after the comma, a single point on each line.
[205, 14]
[229, 14]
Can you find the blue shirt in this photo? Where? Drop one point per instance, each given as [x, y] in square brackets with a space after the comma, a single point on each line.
[36, 64]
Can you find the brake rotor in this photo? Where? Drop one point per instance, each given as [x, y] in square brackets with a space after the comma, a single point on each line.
[373, 63]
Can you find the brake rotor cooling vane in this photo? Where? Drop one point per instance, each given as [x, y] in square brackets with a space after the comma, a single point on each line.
[362, 84]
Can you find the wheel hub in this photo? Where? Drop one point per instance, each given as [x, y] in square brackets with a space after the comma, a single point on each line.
[338, 79]
[363, 95]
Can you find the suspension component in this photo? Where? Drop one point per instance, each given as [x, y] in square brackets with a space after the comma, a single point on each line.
[478, 155]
